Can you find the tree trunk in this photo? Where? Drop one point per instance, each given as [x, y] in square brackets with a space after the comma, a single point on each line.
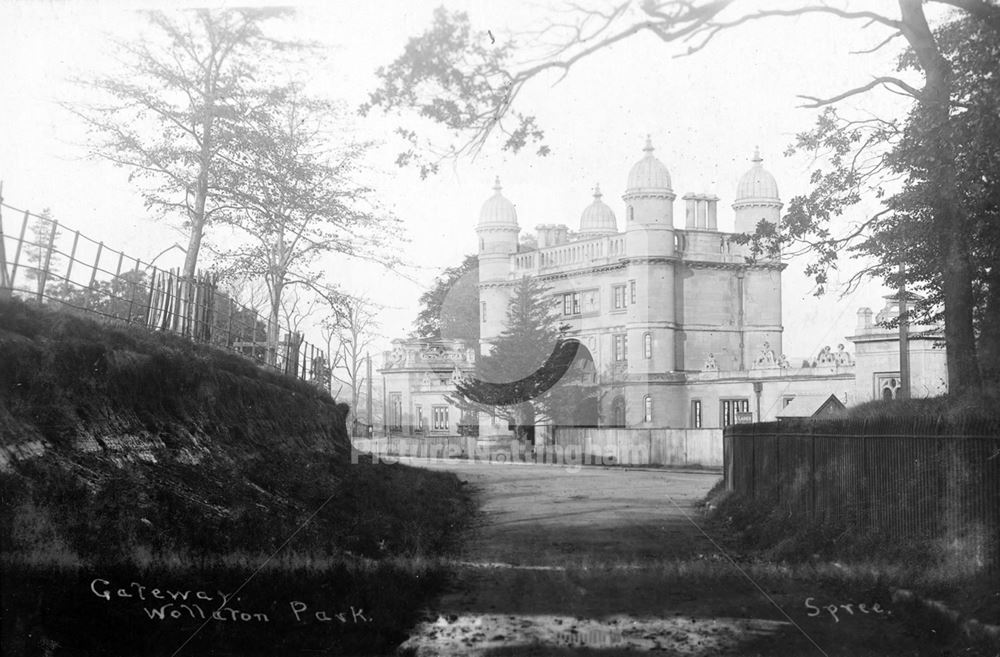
[273, 333]
[949, 219]
[959, 333]
[198, 220]
[194, 241]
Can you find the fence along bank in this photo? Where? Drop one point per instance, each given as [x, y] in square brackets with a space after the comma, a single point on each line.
[52, 264]
[895, 477]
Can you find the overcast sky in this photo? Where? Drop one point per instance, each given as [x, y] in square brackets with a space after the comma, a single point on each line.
[705, 114]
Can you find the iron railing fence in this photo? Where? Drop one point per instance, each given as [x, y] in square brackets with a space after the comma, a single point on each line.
[45, 262]
[897, 477]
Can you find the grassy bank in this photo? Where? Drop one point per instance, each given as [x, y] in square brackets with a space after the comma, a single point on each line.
[915, 575]
[134, 460]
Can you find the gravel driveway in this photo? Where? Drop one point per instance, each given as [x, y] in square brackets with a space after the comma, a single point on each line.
[612, 561]
[572, 561]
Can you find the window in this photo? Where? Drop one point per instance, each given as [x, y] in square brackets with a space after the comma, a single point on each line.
[619, 347]
[619, 294]
[630, 213]
[618, 412]
[647, 346]
[730, 407]
[647, 406]
[786, 400]
[420, 417]
[571, 303]
[631, 292]
[395, 411]
[439, 416]
[482, 312]
[696, 413]
[887, 385]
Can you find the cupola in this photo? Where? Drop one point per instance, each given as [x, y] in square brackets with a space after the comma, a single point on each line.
[756, 198]
[649, 174]
[598, 218]
[497, 210]
[757, 184]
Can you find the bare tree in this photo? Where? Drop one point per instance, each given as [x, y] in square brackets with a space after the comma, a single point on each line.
[296, 308]
[246, 292]
[293, 194]
[168, 114]
[354, 326]
[334, 356]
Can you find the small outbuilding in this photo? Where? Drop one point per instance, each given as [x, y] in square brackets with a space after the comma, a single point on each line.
[811, 406]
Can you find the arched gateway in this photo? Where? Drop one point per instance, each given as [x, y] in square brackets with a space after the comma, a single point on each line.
[573, 401]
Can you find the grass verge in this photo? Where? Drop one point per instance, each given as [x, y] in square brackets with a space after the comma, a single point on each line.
[940, 594]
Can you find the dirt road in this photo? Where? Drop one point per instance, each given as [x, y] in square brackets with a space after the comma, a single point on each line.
[613, 561]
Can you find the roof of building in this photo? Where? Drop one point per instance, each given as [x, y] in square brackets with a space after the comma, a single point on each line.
[811, 406]
[497, 210]
[757, 183]
[649, 174]
[598, 217]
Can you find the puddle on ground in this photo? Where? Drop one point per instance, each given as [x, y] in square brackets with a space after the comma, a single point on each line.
[477, 634]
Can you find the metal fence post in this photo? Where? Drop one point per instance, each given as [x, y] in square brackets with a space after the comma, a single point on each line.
[72, 256]
[97, 263]
[17, 251]
[5, 286]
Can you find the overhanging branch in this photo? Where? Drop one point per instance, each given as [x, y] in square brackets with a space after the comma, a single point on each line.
[885, 81]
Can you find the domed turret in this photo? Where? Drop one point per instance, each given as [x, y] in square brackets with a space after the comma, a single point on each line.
[497, 228]
[649, 196]
[497, 210]
[649, 174]
[757, 183]
[598, 218]
[756, 197]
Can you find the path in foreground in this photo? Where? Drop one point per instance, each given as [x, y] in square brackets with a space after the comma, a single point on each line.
[612, 561]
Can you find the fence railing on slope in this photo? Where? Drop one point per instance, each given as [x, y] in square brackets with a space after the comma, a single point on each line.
[899, 477]
[52, 264]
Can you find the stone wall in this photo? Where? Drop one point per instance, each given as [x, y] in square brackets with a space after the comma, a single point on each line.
[673, 447]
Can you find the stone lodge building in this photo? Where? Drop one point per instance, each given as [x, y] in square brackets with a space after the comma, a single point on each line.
[678, 329]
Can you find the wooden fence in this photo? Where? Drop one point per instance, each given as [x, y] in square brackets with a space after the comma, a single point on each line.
[45, 262]
[912, 477]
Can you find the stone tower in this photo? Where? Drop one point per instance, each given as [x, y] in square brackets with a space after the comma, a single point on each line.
[757, 199]
[498, 236]
[649, 249]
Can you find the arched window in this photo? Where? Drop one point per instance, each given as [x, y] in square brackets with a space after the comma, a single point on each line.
[888, 386]
[618, 412]
[647, 346]
[647, 405]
